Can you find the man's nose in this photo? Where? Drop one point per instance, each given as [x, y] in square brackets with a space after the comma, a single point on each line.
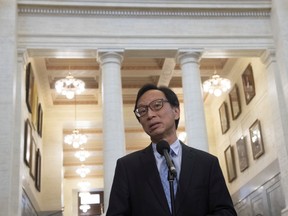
[150, 112]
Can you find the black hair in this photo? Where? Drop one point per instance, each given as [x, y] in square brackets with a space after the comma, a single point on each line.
[169, 94]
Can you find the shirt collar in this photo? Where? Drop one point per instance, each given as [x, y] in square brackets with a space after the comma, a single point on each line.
[174, 147]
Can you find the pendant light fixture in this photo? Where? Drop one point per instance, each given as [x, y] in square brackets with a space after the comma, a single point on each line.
[216, 85]
[82, 155]
[83, 171]
[76, 139]
[69, 86]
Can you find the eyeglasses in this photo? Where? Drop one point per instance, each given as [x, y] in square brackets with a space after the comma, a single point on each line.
[155, 105]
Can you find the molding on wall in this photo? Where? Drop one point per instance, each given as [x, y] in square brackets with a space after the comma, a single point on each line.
[67, 10]
[259, 180]
[156, 3]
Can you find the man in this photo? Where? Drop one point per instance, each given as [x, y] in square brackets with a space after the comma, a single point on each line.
[137, 186]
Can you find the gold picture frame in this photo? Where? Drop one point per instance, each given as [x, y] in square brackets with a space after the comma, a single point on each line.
[32, 161]
[38, 170]
[256, 139]
[39, 120]
[235, 103]
[230, 163]
[29, 84]
[224, 118]
[248, 84]
[242, 153]
[27, 142]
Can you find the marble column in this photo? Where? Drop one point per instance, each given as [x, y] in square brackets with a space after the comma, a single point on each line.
[113, 120]
[280, 117]
[195, 124]
[10, 111]
[279, 25]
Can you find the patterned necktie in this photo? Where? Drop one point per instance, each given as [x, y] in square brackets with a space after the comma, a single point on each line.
[165, 182]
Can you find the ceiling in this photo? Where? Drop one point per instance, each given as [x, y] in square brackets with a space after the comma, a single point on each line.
[135, 71]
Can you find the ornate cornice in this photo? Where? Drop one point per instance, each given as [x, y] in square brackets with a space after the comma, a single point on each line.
[144, 12]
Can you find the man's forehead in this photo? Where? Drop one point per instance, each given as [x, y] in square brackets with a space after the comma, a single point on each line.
[150, 95]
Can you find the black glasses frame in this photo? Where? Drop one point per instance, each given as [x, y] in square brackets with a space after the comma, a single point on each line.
[154, 105]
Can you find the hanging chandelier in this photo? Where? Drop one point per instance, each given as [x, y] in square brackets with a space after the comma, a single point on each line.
[216, 85]
[83, 171]
[69, 86]
[76, 139]
[82, 154]
[84, 208]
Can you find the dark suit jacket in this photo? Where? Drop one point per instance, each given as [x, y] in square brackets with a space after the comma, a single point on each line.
[137, 189]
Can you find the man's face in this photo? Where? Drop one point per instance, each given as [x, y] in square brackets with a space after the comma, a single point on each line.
[158, 124]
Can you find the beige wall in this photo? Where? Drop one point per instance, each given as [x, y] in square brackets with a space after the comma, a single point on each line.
[261, 107]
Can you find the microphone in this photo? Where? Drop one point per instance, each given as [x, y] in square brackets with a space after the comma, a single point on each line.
[163, 148]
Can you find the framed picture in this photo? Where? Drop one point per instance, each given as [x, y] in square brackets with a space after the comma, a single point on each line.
[248, 84]
[27, 142]
[34, 107]
[224, 119]
[29, 83]
[39, 120]
[230, 163]
[235, 104]
[32, 158]
[256, 139]
[242, 153]
[38, 171]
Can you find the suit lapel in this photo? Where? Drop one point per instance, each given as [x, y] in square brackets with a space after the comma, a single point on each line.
[153, 178]
[187, 166]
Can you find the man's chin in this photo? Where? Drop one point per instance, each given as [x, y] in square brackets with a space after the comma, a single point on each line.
[156, 137]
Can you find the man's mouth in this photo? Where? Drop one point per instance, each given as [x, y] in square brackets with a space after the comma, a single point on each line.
[154, 126]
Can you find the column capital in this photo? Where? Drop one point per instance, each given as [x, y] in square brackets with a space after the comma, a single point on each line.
[110, 55]
[189, 55]
[23, 56]
[268, 57]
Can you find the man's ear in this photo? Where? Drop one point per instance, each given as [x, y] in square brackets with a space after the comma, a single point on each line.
[176, 110]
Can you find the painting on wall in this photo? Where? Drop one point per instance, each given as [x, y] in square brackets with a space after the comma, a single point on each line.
[256, 139]
[38, 171]
[39, 120]
[34, 107]
[235, 104]
[242, 153]
[224, 119]
[32, 159]
[248, 84]
[27, 142]
[230, 163]
[29, 84]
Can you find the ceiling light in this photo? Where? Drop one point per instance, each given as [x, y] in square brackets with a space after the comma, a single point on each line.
[69, 86]
[84, 208]
[82, 154]
[83, 171]
[216, 85]
[76, 139]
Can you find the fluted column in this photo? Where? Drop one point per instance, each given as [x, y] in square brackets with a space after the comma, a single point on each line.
[195, 124]
[10, 111]
[280, 118]
[279, 25]
[113, 121]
